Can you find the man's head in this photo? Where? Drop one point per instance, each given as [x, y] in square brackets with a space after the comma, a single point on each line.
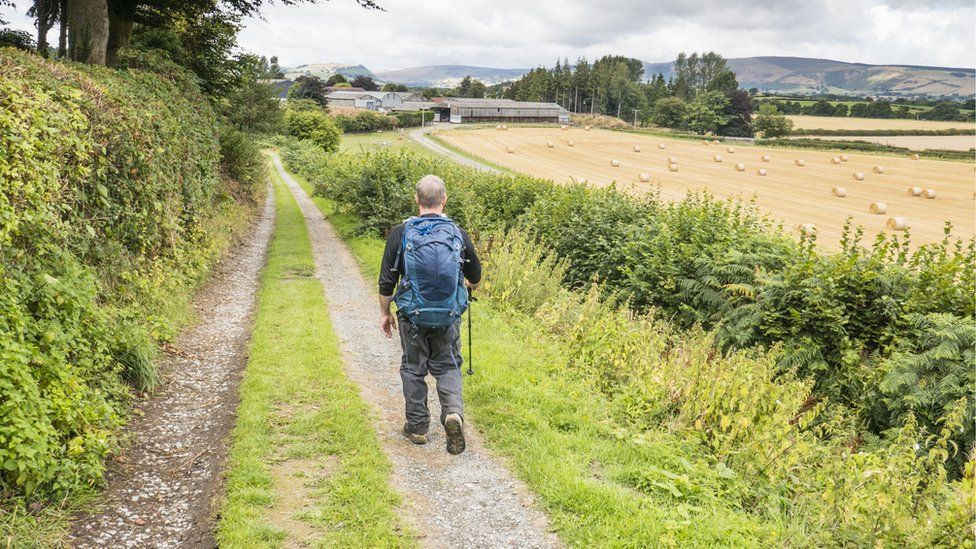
[431, 194]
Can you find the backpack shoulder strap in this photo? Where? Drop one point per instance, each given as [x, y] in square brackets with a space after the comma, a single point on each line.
[403, 241]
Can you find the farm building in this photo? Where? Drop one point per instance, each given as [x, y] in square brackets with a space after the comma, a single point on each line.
[373, 100]
[410, 106]
[459, 110]
[364, 99]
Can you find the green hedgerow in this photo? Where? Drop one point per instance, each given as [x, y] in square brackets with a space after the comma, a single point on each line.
[109, 181]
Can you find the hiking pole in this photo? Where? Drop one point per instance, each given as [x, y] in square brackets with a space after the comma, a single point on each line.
[470, 357]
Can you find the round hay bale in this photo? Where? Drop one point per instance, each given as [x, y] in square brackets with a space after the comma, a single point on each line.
[761, 171]
[636, 148]
[644, 177]
[765, 158]
[858, 176]
[843, 158]
[509, 149]
[672, 160]
[914, 157]
[498, 127]
[730, 150]
[715, 141]
[570, 143]
[672, 167]
[915, 191]
[564, 127]
[704, 142]
[806, 228]
[839, 192]
[615, 163]
[799, 162]
[897, 223]
[878, 208]
[550, 144]
[717, 158]
[660, 146]
[878, 169]
[929, 193]
[740, 167]
[835, 160]
[586, 128]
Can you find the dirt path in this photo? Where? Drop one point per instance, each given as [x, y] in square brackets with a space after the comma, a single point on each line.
[469, 500]
[162, 490]
[420, 136]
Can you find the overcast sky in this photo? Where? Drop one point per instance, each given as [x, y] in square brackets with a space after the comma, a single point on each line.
[521, 34]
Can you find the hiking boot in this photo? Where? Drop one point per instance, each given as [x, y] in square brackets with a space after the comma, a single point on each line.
[454, 427]
[415, 438]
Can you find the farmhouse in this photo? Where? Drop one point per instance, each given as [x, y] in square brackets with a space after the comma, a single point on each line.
[460, 110]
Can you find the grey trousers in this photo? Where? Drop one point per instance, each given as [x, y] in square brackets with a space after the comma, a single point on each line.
[436, 351]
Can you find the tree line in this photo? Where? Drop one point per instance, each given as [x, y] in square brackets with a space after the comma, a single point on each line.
[871, 108]
[702, 95]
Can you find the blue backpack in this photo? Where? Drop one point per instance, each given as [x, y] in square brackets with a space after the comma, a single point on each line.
[431, 292]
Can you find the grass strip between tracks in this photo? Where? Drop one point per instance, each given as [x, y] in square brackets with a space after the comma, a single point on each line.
[306, 466]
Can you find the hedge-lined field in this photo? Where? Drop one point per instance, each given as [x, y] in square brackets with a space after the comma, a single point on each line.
[863, 146]
[834, 389]
[113, 207]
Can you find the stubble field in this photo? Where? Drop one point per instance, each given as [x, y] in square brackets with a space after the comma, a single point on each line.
[795, 195]
[914, 142]
[803, 122]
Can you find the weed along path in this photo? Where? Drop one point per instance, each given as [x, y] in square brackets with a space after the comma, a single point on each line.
[470, 500]
[162, 489]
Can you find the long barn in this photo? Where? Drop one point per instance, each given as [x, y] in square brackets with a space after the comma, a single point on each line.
[460, 110]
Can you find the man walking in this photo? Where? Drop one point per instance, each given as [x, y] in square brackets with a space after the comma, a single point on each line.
[425, 264]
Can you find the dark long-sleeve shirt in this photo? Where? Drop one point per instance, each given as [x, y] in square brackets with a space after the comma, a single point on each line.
[470, 264]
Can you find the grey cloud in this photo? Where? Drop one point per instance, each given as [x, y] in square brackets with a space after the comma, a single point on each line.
[517, 33]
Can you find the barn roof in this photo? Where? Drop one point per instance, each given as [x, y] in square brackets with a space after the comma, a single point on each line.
[413, 106]
[496, 103]
[357, 94]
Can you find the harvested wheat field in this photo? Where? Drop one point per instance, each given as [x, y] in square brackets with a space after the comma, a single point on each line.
[914, 142]
[798, 195]
[802, 122]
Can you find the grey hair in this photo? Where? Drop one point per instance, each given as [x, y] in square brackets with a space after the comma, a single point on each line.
[431, 191]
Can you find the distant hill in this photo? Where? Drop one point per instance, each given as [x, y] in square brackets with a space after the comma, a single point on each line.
[447, 76]
[806, 76]
[776, 74]
[325, 70]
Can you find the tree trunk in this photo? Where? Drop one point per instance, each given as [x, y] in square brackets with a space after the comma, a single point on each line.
[63, 29]
[119, 30]
[87, 31]
[43, 14]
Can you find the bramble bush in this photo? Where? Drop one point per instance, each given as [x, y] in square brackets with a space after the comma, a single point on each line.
[112, 208]
[848, 322]
[778, 453]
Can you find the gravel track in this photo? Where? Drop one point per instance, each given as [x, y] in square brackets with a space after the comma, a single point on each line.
[163, 488]
[470, 500]
[420, 136]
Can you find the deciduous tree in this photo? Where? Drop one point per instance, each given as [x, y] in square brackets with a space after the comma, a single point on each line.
[309, 87]
[770, 122]
[365, 82]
